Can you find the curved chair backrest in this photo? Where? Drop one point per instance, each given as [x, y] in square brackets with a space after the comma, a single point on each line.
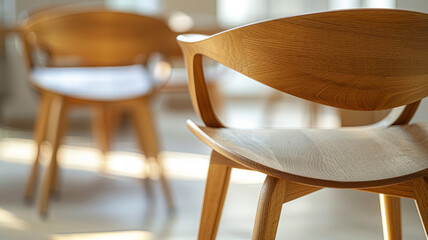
[96, 37]
[354, 59]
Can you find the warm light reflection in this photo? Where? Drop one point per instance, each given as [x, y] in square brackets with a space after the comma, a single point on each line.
[122, 235]
[180, 22]
[329, 118]
[384, 217]
[162, 71]
[177, 165]
[17, 150]
[9, 220]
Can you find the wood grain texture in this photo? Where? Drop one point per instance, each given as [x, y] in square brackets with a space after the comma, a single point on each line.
[354, 59]
[296, 190]
[217, 158]
[403, 189]
[391, 217]
[269, 209]
[364, 59]
[407, 114]
[215, 194]
[344, 158]
[274, 193]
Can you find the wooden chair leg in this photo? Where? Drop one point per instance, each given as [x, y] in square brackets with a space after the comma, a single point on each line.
[147, 171]
[55, 183]
[215, 194]
[54, 135]
[313, 112]
[146, 134]
[103, 126]
[391, 217]
[39, 136]
[269, 209]
[421, 196]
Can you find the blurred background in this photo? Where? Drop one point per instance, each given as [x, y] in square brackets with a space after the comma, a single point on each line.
[111, 203]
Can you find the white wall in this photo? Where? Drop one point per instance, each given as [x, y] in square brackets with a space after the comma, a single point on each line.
[414, 5]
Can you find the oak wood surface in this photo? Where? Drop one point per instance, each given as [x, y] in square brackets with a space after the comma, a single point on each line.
[391, 217]
[215, 194]
[364, 59]
[346, 158]
[354, 59]
[269, 208]
[402, 189]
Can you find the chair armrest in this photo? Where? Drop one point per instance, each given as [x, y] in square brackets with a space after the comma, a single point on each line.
[190, 45]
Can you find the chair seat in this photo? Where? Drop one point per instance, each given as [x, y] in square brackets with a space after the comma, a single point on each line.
[95, 83]
[344, 158]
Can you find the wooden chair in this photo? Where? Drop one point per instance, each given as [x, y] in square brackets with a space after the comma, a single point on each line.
[96, 58]
[354, 59]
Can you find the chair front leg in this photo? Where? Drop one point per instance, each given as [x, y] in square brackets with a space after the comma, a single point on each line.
[391, 217]
[420, 189]
[272, 197]
[54, 136]
[275, 192]
[39, 137]
[215, 194]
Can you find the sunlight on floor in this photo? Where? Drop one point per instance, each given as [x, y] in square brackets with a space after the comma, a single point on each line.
[122, 235]
[184, 166]
[9, 220]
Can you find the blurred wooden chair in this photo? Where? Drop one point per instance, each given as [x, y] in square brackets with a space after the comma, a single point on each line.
[98, 59]
[356, 59]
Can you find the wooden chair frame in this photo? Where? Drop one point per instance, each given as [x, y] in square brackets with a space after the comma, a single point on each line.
[145, 35]
[334, 48]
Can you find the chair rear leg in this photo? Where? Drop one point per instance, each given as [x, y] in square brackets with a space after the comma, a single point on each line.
[391, 217]
[39, 136]
[215, 194]
[421, 196]
[269, 208]
[104, 122]
[146, 133]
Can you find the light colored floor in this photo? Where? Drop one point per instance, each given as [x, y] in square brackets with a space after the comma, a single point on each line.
[115, 205]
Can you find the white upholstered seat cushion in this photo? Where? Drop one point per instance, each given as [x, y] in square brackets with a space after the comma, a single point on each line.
[95, 83]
